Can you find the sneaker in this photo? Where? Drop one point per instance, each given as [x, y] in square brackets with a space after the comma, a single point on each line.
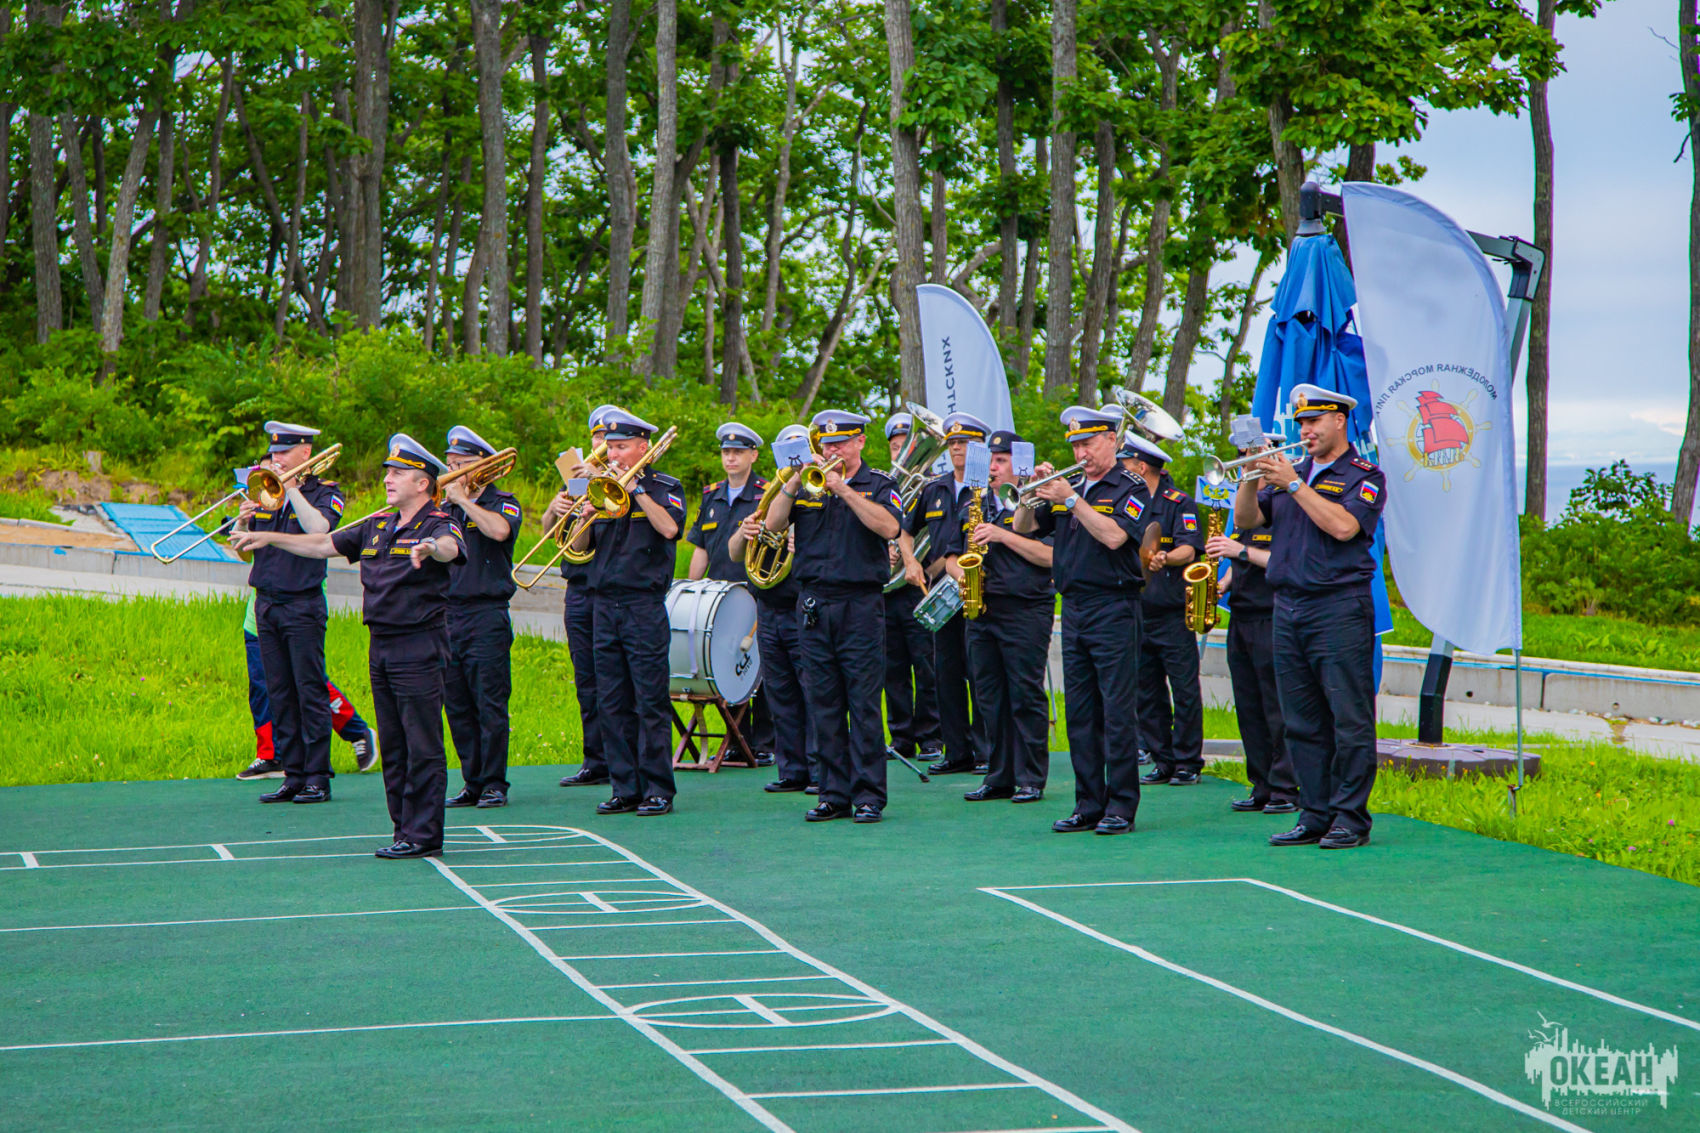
[261, 769]
[365, 753]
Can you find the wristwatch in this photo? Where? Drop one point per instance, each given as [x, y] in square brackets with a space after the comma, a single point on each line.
[1244, 556]
[1070, 502]
[1294, 485]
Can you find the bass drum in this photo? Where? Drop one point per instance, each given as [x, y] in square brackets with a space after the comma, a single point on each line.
[708, 624]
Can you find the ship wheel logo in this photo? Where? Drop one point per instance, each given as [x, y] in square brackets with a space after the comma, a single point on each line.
[1440, 435]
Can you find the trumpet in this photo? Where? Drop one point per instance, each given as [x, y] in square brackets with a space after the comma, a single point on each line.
[611, 497]
[1027, 495]
[264, 487]
[813, 477]
[597, 459]
[1238, 470]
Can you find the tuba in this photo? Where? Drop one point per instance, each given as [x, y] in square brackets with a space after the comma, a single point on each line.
[1145, 415]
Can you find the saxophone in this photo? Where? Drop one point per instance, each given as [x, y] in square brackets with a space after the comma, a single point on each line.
[1202, 587]
[973, 562]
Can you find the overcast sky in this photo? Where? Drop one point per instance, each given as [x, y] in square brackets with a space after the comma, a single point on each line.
[1620, 257]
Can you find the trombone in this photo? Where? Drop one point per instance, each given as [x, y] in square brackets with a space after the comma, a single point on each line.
[263, 486]
[610, 497]
[1238, 471]
[480, 474]
[556, 533]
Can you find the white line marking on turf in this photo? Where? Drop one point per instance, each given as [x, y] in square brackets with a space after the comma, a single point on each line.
[597, 903]
[669, 955]
[822, 1046]
[757, 1007]
[490, 834]
[706, 983]
[1452, 1076]
[29, 860]
[897, 1090]
[1419, 934]
[554, 835]
[696, 1066]
[619, 924]
[152, 1039]
[237, 920]
[222, 852]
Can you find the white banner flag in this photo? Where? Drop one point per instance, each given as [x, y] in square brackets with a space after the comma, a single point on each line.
[1438, 353]
[964, 369]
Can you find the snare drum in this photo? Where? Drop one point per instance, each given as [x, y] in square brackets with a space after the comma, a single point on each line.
[708, 623]
[940, 605]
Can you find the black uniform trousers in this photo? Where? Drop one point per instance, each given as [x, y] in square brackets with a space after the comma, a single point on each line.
[1326, 643]
[1008, 646]
[1257, 705]
[407, 698]
[581, 639]
[292, 653]
[843, 654]
[1168, 665]
[965, 739]
[781, 688]
[1100, 638]
[631, 692]
[476, 688]
[912, 715]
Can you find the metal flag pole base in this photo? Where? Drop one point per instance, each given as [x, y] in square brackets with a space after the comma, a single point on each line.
[1517, 674]
[903, 759]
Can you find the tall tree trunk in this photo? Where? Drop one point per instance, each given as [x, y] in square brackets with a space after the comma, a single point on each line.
[159, 253]
[663, 212]
[292, 265]
[1360, 166]
[939, 236]
[534, 199]
[732, 300]
[44, 199]
[1537, 377]
[1009, 247]
[123, 221]
[1289, 158]
[7, 109]
[1194, 310]
[433, 269]
[469, 306]
[1030, 274]
[82, 233]
[622, 189]
[1105, 262]
[1688, 457]
[373, 28]
[1231, 362]
[906, 202]
[773, 264]
[493, 221]
[452, 256]
[1157, 230]
[215, 186]
[1059, 284]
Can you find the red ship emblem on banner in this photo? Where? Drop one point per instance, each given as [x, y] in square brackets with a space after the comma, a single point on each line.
[1440, 435]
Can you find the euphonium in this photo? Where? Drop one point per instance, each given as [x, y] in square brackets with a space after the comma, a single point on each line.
[1202, 587]
[767, 557]
[973, 564]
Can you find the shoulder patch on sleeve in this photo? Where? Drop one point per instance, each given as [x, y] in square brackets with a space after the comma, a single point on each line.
[1368, 492]
[1189, 521]
[896, 500]
[1132, 508]
[673, 500]
[510, 510]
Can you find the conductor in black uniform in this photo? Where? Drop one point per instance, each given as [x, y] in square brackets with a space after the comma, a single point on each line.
[1168, 650]
[404, 556]
[724, 505]
[1009, 644]
[1322, 516]
[290, 614]
[1094, 522]
[631, 571]
[943, 513]
[1251, 668]
[911, 709]
[479, 679]
[579, 614]
[841, 567]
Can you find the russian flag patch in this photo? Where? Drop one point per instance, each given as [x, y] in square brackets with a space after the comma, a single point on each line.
[510, 510]
[674, 501]
[1189, 521]
[1368, 492]
[1133, 508]
[896, 500]
[336, 502]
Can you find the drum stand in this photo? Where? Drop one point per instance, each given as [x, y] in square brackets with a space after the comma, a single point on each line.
[698, 729]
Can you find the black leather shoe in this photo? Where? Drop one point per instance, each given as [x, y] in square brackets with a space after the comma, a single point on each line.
[312, 793]
[1251, 804]
[1073, 824]
[492, 796]
[812, 789]
[1113, 824]
[1300, 835]
[1156, 775]
[467, 797]
[766, 759]
[1027, 795]
[867, 813]
[408, 850]
[584, 777]
[619, 804]
[981, 793]
[950, 767]
[654, 805]
[1280, 806]
[1183, 778]
[982, 768]
[282, 795]
[786, 786]
[826, 812]
[1341, 838]
[1144, 758]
